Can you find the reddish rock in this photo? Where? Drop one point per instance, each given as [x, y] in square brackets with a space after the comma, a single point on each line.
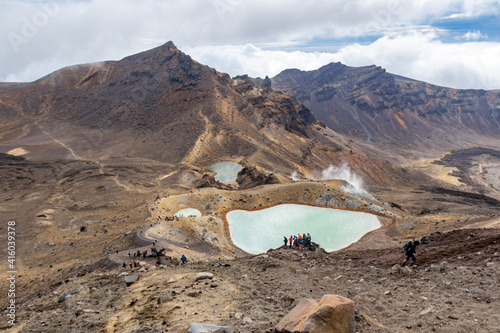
[330, 314]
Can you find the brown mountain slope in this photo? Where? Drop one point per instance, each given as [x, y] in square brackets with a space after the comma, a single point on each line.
[161, 105]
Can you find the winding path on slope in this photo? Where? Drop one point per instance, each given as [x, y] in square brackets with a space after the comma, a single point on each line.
[79, 158]
[195, 250]
[76, 157]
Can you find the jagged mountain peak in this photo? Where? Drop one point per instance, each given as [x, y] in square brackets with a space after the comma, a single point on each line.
[159, 53]
[147, 63]
[334, 67]
[383, 108]
[163, 104]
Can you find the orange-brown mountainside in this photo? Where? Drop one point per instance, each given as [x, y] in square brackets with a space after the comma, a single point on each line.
[161, 105]
[369, 103]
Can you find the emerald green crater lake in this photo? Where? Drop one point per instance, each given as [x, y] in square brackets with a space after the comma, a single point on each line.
[225, 171]
[333, 229]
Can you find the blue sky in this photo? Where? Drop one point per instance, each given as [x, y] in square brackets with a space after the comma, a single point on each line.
[454, 43]
[487, 25]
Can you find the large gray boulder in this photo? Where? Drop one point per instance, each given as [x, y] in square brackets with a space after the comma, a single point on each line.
[129, 279]
[330, 314]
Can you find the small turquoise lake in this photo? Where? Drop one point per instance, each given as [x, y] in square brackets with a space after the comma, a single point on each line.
[225, 171]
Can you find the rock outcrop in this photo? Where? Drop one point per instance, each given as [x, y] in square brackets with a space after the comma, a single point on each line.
[250, 177]
[130, 279]
[209, 181]
[330, 314]
[204, 276]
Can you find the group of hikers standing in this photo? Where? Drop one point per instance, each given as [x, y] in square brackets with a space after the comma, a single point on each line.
[299, 241]
[138, 253]
[135, 264]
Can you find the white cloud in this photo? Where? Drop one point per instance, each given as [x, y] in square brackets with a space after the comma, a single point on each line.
[459, 65]
[254, 61]
[457, 16]
[419, 56]
[39, 37]
[475, 8]
[474, 35]
[466, 9]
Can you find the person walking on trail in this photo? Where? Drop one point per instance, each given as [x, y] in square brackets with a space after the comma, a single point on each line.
[410, 249]
[183, 259]
[285, 240]
[290, 240]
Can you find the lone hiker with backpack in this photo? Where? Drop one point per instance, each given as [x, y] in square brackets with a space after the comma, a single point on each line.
[410, 249]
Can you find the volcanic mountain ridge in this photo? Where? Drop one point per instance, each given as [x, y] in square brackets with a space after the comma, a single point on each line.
[400, 113]
[112, 150]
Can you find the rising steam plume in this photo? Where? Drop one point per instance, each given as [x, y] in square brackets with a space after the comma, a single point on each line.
[345, 173]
